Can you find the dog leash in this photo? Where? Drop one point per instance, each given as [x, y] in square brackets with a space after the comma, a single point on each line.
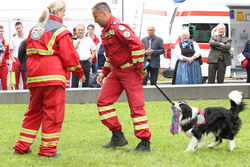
[161, 91]
[144, 67]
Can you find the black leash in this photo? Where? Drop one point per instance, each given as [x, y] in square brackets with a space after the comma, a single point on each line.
[161, 91]
[146, 63]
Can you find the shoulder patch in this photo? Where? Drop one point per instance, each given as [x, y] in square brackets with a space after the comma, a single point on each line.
[37, 32]
[121, 27]
[126, 34]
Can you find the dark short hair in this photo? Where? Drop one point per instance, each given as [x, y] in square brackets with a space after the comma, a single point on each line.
[91, 25]
[100, 6]
[18, 23]
[1, 27]
[74, 29]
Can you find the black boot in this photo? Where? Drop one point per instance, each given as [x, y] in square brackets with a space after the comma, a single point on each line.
[117, 139]
[57, 154]
[144, 145]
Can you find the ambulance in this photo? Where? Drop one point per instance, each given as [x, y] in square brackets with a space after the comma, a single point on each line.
[200, 19]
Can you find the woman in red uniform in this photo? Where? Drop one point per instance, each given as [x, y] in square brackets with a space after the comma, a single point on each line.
[50, 53]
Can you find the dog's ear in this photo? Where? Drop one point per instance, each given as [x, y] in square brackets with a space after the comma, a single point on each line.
[186, 110]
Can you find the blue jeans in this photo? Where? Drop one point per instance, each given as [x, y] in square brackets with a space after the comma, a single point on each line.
[94, 66]
[153, 75]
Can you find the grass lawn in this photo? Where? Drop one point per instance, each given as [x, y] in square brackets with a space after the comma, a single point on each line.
[83, 135]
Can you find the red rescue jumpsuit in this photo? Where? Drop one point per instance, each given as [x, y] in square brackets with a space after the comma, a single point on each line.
[49, 59]
[125, 57]
[4, 67]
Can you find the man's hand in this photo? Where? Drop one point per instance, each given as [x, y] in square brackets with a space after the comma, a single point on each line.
[82, 79]
[149, 51]
[1, 58]
[143, 72]
[100, 78]
[90, 59]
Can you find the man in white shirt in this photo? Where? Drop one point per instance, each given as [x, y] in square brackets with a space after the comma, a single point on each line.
[84, 46]
[16, 66]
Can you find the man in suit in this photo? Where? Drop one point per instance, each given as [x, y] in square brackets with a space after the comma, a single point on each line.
[219, 56]
[153, 49]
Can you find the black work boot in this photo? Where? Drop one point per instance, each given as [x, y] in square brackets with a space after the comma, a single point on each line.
[117, 139]
[57, 154]
[144, 145]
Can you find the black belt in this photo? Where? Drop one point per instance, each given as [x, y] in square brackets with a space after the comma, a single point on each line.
[83, 61]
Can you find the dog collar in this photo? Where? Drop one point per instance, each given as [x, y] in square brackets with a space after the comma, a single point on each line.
[200, 118]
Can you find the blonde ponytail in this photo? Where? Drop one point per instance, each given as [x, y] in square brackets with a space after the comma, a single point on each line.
[52, 8]
[44, 16]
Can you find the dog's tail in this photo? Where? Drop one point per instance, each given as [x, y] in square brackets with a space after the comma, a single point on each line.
[236, 99]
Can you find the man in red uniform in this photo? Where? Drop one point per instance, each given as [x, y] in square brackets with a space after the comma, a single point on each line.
[51, 53]
[5, 61]
[124, 68]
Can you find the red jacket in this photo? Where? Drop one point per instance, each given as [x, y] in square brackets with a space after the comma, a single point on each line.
[7, 53]
[122, 47]
[96, 41]
[51, 53]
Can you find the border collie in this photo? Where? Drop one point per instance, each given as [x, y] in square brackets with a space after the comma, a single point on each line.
[217, 122]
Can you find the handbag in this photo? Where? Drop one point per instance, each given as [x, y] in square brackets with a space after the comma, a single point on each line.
[200, 60]
[242, 59]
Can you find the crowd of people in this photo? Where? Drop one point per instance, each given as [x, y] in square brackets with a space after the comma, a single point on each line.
[92, 57]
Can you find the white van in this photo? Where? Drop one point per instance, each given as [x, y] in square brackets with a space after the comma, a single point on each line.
[200, 18]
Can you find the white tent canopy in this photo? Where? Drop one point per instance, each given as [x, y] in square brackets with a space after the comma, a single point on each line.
[28, 12]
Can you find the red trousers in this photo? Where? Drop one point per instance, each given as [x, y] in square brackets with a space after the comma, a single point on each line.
[47, 107]
[16, 70]
[130, 80]
[3, 77]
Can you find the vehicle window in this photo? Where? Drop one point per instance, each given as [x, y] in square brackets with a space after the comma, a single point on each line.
[201, 32]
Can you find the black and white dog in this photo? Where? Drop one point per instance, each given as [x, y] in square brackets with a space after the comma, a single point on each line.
[216, 122]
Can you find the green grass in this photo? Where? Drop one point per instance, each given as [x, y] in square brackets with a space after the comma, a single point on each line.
[83, 135]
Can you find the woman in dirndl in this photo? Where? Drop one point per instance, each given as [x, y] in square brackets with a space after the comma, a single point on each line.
[187, 68]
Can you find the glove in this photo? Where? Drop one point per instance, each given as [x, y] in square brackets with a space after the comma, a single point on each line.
[244, 63]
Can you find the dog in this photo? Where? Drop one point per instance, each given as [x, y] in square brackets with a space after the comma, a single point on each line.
[217, 122]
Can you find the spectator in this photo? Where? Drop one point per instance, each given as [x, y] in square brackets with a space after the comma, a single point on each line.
[91, 30]
[5, 61]
[153, 49]
[187, 68]
[16, 66]
[101, 58]
[46, 78]
[246, 53]
[124, 71]
[2, 52]
[219, 56]
[83, 46]
[74, 34]
[22, 56]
